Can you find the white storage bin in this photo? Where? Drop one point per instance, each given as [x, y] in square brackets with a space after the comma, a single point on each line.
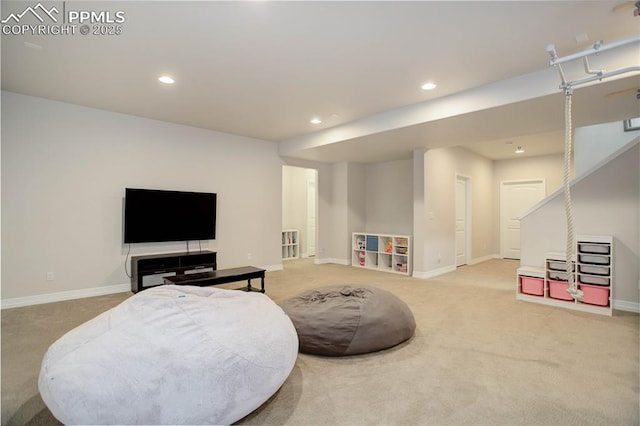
[557, 265]
[594, 248]
[594, 259]
[558, 275]
[589, 279]
[594, 270]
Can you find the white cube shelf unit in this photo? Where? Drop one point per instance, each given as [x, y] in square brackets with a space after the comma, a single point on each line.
[382, 252]
[290, 244]
[592, 271]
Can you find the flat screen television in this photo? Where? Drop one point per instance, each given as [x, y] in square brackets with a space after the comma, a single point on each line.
[152, 215]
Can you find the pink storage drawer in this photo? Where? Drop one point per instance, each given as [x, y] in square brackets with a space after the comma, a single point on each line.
[595, 295]
[531, 285]
[558, 290]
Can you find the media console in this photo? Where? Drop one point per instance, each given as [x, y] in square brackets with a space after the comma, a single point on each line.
[150, 270]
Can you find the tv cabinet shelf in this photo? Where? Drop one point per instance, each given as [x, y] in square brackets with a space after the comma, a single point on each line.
[150, 270]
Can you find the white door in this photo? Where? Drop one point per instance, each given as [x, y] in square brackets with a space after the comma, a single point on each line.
[516, 198]
[311, 217]
[461, 221]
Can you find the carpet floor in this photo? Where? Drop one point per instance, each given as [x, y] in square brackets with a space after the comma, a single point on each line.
[478, 357]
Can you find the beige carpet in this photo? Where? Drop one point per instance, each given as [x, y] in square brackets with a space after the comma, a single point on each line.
[479, 357]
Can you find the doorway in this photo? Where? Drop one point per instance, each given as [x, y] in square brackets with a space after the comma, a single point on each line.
[299, 206]
[463, 219]
[516, 197]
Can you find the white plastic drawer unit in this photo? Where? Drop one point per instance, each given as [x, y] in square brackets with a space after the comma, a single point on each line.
[558, 265]
[594, 248]
[594, 259]
[558, 275]
[594, 270]
[590, 279]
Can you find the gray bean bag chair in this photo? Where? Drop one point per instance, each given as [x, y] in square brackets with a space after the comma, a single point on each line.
[171, 355]
[348, 320]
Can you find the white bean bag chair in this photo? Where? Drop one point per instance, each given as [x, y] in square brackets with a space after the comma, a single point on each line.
[171, 355]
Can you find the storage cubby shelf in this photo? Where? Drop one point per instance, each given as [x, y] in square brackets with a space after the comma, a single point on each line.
[382, 252]
[290, 244]
[592, 270]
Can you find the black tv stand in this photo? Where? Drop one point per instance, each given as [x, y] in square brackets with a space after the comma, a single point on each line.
[150, 270]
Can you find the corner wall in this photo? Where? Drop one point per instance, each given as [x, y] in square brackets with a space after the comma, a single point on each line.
[440, 169]
[593, 143]
[64, 170]
[373, 197]
[389, 197]
[605, 202]
[349, 207]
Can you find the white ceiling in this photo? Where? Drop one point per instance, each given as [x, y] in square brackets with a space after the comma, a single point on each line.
[263, 69]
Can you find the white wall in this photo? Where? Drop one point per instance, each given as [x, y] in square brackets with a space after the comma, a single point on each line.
[369, 198]
[548, 167]
[389, 197]
[357, 206]
[419, 211]
[595, 143]
[64, 170]
[605, 202]
[340, 243]
[441, 167]
[348, 209]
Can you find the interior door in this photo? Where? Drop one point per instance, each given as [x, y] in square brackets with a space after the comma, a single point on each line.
[461, 221]
[516, 198]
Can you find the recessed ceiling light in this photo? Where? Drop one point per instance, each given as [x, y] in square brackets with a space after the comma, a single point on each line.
[316, 121]
[166, 79]
[519, 150]
[429, 86]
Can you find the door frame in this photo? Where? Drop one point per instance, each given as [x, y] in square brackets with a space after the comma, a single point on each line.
[502, 206]
[467, 218]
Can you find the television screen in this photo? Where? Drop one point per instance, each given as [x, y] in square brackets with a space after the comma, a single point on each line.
[152, 215]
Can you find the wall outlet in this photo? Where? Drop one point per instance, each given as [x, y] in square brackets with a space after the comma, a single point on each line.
[249, 256]
[51, 276]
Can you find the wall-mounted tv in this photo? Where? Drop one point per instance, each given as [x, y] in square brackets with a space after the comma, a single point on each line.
[152, 215]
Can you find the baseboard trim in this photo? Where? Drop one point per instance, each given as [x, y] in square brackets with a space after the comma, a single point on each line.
[433, 273]
[39, 299]
[345, 262]
[484, 259]
[273, 268]
[623, 305]
[18, 302]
